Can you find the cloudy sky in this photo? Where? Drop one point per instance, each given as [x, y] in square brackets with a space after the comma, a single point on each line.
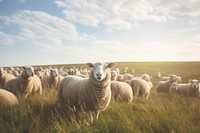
[38, 32]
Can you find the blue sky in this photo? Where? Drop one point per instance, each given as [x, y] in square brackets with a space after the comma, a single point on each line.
[42, 32]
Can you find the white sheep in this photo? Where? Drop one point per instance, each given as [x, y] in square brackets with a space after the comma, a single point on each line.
[7, 98]
[179, 80]
[140, 87]
[114, 75]
[93, 94]
[4, 77]
[121, 92]
[128, 76]
[158, 75]
[120, 78]
[173, 88]
[163, 86]
[191, 89]
[53, 80]
[146, 77]
[26, 83]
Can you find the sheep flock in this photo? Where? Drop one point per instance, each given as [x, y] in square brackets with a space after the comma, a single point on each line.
[91, 88]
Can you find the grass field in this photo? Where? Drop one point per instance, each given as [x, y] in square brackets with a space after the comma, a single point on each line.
[160, 114]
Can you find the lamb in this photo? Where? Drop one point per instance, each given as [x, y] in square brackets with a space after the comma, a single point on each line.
[163, 86]
[7, 98]
[92, 94]
[4, 77]
[140, 87]
[53, 80]
[191, 89]
[121, 92]
[26, 83]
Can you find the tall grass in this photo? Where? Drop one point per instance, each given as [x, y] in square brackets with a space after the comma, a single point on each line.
[161, 113]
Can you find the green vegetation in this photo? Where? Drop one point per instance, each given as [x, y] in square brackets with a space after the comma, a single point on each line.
[161, 113]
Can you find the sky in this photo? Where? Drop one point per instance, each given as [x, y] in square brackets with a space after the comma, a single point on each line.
[43, 32]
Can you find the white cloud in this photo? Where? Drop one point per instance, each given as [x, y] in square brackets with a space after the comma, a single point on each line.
[178, 7]
[41, 29]
[6, 39]
[118, 14]
[114, 14]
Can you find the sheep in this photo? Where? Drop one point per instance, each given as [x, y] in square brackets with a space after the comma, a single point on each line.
[5, 77]
[114, 75]
[120, 78]
[140, 87]
[191, 89]
[117, 70]
[7, 98]
[163, 86]
[121, 92]
[93, 94]
[128, 76]
[146, 77]
[72, 71]
[158, 75]
[26, 83]
[173, 88]
[179, 80]
[40, 74]
[53, 80]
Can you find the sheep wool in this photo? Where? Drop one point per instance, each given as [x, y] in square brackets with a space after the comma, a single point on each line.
[27, 83]
[140, 87]
[121, 92]
[53, 80]
[163, 86]
[93, 94]
[7, 98]
[191, 89]
[4, 78]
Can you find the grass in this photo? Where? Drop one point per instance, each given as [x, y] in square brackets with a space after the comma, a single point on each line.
[161, 113]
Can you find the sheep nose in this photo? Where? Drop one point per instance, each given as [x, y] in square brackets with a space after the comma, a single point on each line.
[99, 75]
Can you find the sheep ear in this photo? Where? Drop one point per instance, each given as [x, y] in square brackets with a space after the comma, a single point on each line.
[190, 80]
[110, 65]
[90, 65]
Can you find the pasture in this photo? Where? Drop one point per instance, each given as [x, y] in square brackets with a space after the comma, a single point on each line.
[161, 113]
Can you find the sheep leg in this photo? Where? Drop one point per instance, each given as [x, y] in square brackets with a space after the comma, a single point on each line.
[97, 117]
[136, 92]
[26, 95]
[147, 96]
[90, 116]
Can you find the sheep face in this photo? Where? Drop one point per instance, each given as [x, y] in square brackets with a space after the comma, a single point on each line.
[173, 78]
[54, 72]
[195, 84]
[100, 69]
[113, 73]
[145, 77]
[29, 71]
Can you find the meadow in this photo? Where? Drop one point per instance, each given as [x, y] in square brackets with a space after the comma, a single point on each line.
[162, 113]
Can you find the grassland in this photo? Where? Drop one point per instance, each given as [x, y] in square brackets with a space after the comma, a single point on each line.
[161, 113]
